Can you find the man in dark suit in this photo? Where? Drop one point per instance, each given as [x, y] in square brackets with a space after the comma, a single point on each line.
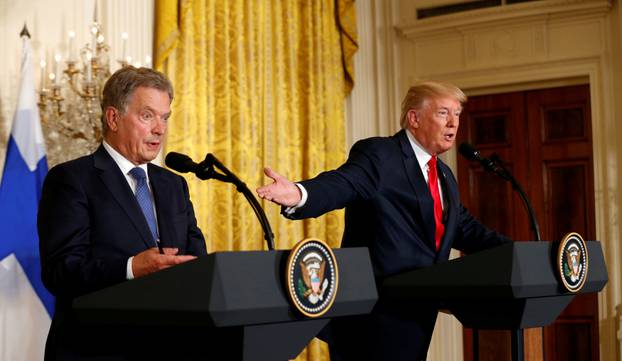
[112, 216]
[401, 202]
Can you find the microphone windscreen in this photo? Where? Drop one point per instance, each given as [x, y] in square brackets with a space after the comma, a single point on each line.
[179, 162]
[468, 151]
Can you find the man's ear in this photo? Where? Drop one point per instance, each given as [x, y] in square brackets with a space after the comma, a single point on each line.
[112, 118]
[413, 118]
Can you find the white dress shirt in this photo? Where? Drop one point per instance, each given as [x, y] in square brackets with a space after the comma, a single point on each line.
[126, 166]
[423, 158]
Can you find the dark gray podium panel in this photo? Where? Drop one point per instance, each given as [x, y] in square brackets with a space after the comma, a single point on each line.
[278, 341]
[508, 287]
[235, 302]
[225, 289]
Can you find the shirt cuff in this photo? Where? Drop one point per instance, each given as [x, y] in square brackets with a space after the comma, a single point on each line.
[303, 200]
[128, 270]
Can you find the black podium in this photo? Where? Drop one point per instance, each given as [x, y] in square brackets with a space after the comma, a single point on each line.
[511, 287]
[235, 301]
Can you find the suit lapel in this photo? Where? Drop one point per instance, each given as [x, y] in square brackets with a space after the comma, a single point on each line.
[419, 186]
[162, 201]
[115, 181]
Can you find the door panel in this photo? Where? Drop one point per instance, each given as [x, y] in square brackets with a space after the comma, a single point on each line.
[564, 213]
[544, 137]
[560, 139]
[494, 125]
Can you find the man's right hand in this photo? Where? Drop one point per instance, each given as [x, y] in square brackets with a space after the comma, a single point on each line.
[151, 260]
[281, 191]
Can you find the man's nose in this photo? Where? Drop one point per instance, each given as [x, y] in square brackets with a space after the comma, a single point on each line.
[159, 127]
[452, 120]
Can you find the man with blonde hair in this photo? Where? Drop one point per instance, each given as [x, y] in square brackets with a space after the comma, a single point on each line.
[402, 203]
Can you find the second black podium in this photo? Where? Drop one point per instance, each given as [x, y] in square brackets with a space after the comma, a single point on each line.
[510, 287]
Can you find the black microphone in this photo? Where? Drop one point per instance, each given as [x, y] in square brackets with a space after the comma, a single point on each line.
[180, 162]
[495, 166]
[184, 164]
[207, 170]
[469, 152]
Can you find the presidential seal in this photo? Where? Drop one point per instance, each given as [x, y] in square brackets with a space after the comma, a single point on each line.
[572, 262]
[312, 277]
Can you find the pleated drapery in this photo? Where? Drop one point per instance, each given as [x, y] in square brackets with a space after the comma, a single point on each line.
[258, 83]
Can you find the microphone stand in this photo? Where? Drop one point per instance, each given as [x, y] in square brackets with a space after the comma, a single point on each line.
[517, 337]
[495, 165]
[499, 169]
[229, 177]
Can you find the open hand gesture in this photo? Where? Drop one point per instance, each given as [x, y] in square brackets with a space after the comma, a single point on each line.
[281, 191]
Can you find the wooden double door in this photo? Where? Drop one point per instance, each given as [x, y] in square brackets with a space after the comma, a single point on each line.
[544, 137]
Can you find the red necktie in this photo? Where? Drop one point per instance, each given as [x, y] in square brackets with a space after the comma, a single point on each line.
[436, 196]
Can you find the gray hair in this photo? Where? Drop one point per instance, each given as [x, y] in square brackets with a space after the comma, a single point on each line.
[120, 87]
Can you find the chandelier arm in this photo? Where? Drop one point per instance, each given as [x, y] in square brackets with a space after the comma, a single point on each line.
[75, 89]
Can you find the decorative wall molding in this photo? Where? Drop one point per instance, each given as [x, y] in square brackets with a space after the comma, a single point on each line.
[504, 15]
[531, 41]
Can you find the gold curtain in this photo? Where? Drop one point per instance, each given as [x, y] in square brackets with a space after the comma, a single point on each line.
[258, 83]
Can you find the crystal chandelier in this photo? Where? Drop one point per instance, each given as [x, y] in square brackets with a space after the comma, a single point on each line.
[69, 101]
[70, 98]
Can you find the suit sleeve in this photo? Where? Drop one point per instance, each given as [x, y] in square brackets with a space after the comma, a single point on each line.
[196, 242]
[63, 222]
[356, 179]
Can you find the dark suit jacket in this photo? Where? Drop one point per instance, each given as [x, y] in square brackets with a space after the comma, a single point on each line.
[89, 224]
[390, 210]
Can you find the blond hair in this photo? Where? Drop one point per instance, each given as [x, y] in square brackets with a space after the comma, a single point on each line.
[420, 92]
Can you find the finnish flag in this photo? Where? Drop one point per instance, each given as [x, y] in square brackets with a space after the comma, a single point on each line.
[25, 305]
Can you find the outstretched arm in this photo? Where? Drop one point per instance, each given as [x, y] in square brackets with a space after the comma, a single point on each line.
[334, 189]
[281, 191]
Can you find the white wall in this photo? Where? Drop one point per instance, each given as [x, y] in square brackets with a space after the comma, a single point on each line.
[369, 107]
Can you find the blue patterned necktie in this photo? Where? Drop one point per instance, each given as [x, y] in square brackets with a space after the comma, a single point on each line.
[143, 196]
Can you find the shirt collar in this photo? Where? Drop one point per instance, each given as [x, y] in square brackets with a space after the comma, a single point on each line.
[124, 164]
[423, 157]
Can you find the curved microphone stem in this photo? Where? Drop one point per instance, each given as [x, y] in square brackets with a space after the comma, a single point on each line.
[504, 173]
[241, 187]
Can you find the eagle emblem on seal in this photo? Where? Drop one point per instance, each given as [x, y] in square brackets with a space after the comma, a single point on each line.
[572, 262]
[573, 266]
[314, 284]
[312, 277]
